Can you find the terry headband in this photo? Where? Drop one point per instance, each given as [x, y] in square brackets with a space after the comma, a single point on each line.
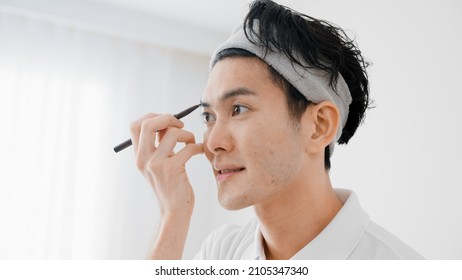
[313, 83]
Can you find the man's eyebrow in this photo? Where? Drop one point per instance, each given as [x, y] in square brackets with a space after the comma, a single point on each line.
[230, 94]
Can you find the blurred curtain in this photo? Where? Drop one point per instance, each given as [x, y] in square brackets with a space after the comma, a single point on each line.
[67, 97]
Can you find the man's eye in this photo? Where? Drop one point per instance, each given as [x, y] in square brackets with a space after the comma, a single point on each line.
[239, 109]
[207, 117]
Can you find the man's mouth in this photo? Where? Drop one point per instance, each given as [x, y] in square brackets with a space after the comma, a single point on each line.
[227, 173]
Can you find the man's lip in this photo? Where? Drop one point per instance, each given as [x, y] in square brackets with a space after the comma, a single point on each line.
[226, 174]
[224, 168]
[230, 170]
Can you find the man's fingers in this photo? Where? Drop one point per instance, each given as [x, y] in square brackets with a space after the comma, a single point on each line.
[135, 129]
[171, 138]
[188, 152]
[149, 127]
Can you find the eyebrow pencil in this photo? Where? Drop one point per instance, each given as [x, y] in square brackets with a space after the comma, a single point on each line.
[180, 115]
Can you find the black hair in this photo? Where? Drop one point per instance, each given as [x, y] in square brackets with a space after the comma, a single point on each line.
[319, 44]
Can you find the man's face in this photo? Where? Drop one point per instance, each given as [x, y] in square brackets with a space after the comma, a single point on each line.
[254, 147]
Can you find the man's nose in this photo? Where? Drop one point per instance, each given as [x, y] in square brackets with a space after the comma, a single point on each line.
[219, 138]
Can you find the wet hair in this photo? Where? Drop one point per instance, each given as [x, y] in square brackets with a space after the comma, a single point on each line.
[319, 44]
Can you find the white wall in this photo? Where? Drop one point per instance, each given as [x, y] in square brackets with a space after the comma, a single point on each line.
[403, 162]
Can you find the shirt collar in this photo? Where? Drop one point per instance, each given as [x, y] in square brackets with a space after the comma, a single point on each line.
[338, 240]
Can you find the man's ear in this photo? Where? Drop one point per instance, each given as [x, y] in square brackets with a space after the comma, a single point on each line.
[325, 120]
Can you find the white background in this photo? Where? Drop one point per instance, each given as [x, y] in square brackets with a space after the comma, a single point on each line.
[404, 162]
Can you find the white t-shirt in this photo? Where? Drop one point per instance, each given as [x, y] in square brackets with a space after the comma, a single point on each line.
[350, 235]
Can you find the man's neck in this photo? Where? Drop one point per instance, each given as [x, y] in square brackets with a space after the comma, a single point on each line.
[292, 220]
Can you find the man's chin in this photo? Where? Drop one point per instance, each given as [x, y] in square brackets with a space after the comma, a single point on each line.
[233, 204]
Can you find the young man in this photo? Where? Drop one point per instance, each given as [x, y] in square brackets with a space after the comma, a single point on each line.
[282, 90]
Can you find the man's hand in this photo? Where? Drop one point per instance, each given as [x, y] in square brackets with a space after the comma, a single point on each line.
[154, 138]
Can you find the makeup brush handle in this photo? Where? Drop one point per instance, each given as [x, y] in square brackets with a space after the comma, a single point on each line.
[123, 145]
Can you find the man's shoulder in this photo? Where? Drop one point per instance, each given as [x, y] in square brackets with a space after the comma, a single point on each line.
[378, 243]
[230, 241]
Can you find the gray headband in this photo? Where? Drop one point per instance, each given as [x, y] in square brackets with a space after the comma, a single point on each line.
[312, 83]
